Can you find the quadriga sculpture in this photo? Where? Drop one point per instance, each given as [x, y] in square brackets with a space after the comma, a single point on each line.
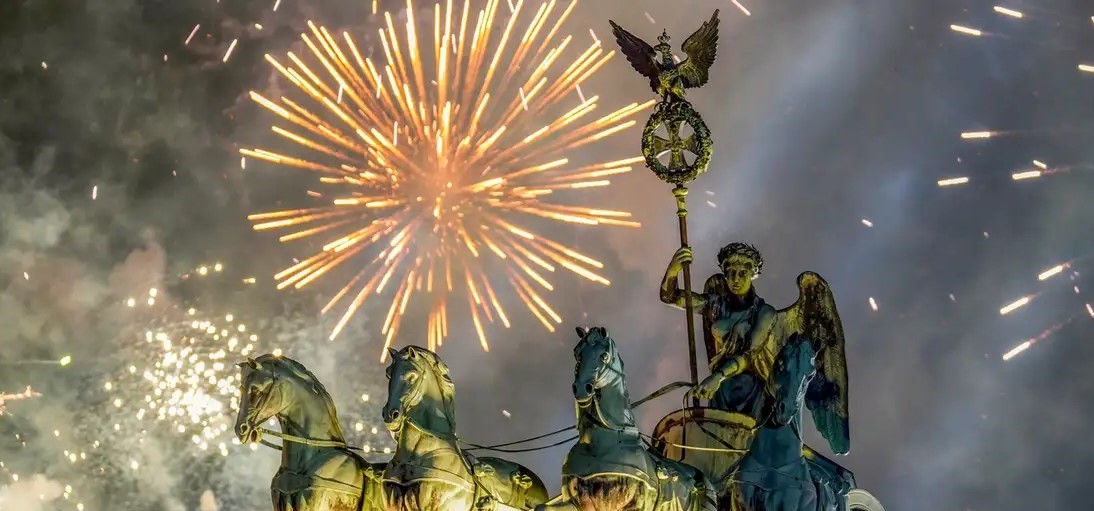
[429, 471]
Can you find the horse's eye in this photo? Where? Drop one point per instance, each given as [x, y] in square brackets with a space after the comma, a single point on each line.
[605, 357]
[411, 377]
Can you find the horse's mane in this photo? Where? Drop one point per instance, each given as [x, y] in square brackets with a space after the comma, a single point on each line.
[308, 378]
[444, 381]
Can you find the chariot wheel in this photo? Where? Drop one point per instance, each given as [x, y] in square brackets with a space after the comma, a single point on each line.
[861, 500]
[674, 116]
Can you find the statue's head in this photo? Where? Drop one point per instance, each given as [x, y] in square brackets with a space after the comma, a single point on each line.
[740, 263]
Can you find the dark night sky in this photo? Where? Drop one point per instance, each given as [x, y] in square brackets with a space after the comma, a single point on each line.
[825, 112]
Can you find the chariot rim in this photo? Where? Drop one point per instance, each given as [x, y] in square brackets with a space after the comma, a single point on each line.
[861, 500]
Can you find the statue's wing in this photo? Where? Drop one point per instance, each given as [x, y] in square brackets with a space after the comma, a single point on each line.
[701, 48]
[638, 52]
[814, 317]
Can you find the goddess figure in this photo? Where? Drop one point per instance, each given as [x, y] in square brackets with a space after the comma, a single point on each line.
[734, 319]
[743, 335]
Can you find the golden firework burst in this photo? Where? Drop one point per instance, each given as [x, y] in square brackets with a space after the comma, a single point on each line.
[435, 160]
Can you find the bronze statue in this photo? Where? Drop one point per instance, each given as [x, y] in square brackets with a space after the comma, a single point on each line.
[744, 335]
[610, 467]
[667, 78]
[430, 471]
[318, 471]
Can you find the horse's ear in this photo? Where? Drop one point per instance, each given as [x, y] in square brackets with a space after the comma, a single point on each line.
[581, 332]
[254, 364]
[392, 353]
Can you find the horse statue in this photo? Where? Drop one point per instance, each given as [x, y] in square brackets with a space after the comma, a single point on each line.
[778, 473]
[318, 471]
[429, 471]
[609, 468]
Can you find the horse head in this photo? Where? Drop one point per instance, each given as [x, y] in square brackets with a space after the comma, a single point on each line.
[419, 384]
[273, 386]
[261, 397]
[598, 363]
[794, 368]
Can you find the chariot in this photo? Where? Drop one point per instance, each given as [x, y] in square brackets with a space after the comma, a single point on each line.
[714, 441]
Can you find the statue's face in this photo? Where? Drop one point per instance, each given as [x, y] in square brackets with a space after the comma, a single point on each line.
[739, 272]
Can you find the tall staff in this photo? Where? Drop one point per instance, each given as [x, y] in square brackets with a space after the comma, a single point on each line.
[669, 79]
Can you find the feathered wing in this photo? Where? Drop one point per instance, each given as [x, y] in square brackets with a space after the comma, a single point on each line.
[701, 49]
[814, 317]
[638, 52]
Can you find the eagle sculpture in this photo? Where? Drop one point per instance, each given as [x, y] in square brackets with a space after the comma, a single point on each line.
[668, 78]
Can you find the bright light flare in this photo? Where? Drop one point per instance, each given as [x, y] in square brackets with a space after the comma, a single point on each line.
[953, 181]
[18, 396]
[1008, 12]
[966, 30]
[1052, 272]
[1086, 68]
[1015, 305]
[1017, 349]
[1028, 343]
[977, 135]
[1026, 174]
[438, 159]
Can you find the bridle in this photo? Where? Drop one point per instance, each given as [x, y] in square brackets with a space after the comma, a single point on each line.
[275, 382]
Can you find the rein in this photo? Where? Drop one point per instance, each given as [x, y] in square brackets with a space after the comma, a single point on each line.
[303, 441]
[474, 447]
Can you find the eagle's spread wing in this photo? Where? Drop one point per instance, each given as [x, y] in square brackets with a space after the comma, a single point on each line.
[814, 317]
[638, 52]
[701, 48]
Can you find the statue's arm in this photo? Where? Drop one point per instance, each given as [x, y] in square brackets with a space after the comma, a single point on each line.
[758, 338]
[671, 294]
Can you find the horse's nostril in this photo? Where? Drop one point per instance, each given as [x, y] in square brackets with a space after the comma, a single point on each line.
[394, 414]
[589, 388]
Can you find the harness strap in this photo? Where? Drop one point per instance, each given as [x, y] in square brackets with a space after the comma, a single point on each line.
[342, 445]
[305, 441]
